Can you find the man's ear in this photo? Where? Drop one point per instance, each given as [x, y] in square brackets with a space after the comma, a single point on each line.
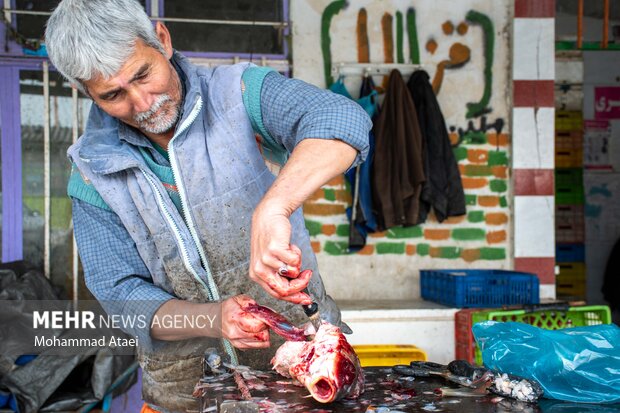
[164, 38]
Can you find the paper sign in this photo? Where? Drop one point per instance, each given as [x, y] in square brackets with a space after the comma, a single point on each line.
[607, 102]
[596, 144]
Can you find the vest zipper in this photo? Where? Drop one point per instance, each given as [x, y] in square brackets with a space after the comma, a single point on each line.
[175, 228]
[212, 287]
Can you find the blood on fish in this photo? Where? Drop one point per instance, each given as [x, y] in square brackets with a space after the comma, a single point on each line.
[327, 366]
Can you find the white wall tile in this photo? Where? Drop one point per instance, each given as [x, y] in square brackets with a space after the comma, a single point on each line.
[534, 49]
[547, 291]
[534, 226]
[533, 138]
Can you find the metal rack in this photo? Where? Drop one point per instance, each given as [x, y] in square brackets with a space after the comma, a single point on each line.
[373, 69]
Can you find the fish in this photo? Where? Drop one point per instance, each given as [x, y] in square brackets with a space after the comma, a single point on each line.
[327, 365]
[277, 322]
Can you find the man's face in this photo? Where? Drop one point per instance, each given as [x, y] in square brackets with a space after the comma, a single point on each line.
[145, 93]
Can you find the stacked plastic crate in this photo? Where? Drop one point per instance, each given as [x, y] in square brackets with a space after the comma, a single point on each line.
[569, 201]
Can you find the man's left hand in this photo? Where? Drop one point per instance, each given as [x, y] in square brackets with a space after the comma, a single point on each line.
[271, 252]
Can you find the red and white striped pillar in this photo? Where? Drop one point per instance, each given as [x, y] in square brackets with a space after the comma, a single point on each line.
[533, 64]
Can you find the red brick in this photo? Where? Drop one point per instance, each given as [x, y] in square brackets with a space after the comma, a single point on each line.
[436, 234]
[454, 220]
[377, 234]
[367, 250]
[533, 93]
[543, 267]
[534, 8]
[328, 229]
[500, 171]
[336, 181]
[534, 182]
[495, 140]
[496, 218]
[470, 255]
[478, 156]
[317, 195]
[488, 201]
[312, 208]
[343, 196]
[316, 246]
[496, 237]
[474, 183]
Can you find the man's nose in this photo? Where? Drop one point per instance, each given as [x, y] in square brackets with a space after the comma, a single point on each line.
[140, 100]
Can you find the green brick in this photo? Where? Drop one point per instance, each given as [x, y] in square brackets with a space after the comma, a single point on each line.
[475, 138]
[390, 247]
[475, 216]
[342, 230]
[471, 199]
[468, 234]
[478, 170]
[405, 232]
[460, 153]
[498, 185]
[503, 202]
[313, 227]
[492, 253]
[336, 247]
[449, 253]
[497, 158]
[329, 194]
[423, 249]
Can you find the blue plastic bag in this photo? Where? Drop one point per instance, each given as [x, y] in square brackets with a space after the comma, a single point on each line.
[579, 364]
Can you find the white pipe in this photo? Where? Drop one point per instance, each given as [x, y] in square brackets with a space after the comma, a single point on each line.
[277, 64]
[372, 69]
[46, 170]
[154, 8]
[7, 14]
[223, 22]
[75, 270]
[8, 10]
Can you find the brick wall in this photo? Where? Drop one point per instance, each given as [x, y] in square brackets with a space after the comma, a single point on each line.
[475, 99]
[480, 235]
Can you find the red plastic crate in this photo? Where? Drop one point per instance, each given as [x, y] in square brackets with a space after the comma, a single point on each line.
[465, 345]
[548, 318]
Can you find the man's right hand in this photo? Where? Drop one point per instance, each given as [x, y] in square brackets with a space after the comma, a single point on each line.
[243, 330]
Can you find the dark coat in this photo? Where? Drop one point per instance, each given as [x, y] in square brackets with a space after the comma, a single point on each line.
[443, 189]
[611, 282]
[397, 172]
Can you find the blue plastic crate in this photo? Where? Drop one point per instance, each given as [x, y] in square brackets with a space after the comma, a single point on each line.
[570, 253]
[479, 288]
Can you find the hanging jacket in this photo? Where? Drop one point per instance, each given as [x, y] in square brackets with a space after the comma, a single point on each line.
[443, 189]
[397, 171]
[203, 253]
[363, 221]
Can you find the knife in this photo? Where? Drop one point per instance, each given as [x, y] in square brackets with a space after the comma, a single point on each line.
[311, 310]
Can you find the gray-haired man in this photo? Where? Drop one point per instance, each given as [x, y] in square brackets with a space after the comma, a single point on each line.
[175, 211]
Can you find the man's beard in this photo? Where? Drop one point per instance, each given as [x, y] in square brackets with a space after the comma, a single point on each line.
[157, 123]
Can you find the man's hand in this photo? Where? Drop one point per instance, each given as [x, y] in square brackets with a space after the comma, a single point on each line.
[313, 162]
[243, 330]
[215, 319]
[271, 251]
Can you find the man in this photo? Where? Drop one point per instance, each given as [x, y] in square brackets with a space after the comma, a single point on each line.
[175, 211]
